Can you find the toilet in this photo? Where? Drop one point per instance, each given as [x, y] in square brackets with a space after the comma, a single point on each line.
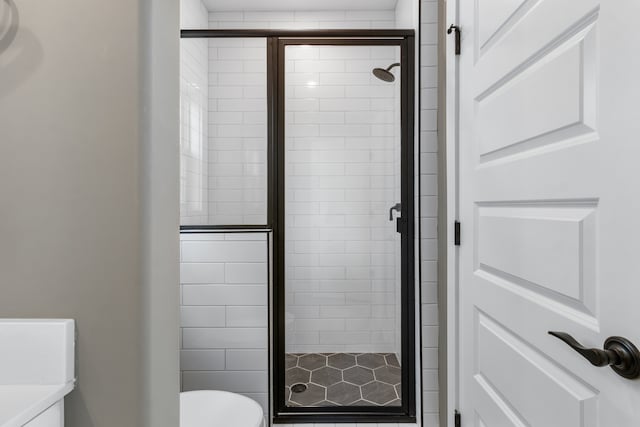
[214, 408]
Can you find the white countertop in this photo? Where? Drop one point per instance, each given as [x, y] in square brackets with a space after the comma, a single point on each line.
[19, 404]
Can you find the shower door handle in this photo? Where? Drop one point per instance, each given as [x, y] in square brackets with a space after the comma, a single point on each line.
[400, 222]
[397, 207]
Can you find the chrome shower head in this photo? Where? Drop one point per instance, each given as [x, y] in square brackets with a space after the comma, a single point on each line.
[385, 74]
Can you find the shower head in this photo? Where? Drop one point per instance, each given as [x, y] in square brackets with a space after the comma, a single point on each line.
[385, 74]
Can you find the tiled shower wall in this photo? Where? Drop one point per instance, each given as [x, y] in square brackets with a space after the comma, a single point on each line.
[237, 185]
[224, 314]
[342, 176]
[194, 94]
[428, 150]
[297, 19]
[429, 207]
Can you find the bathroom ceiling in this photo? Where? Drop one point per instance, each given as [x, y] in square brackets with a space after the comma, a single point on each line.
[263, 5]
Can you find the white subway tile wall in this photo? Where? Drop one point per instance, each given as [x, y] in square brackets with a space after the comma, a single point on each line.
[194, 89]
[237, 131]
[297, 20]
[232, 100]
[342, 175]
[429, 208]
[350, 425]
[193, 14]
[224, 313]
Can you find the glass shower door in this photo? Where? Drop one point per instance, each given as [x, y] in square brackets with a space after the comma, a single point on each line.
[343, 188]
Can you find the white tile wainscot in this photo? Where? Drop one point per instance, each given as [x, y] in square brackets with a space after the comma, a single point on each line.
[224, 313]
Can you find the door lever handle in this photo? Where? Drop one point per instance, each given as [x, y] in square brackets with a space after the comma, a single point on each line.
[595, 356]
[619, 353]
[396, 207]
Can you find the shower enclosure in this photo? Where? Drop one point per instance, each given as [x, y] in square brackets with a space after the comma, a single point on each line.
[327, 171]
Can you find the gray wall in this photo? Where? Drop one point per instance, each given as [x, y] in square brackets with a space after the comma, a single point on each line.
[159, 177]
[72, 241]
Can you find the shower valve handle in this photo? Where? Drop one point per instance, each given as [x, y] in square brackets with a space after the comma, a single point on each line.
[397, 207]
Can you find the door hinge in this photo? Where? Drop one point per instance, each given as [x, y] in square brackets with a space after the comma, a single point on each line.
[455, 29]
[457, 419]
[456, 233]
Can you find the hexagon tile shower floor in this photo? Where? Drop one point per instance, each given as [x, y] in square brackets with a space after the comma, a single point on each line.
[343, 379]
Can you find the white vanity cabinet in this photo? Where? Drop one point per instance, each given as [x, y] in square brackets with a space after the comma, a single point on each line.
[52, 417]
[37, 363]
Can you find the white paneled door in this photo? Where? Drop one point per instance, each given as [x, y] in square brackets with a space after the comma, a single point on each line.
[549, 171]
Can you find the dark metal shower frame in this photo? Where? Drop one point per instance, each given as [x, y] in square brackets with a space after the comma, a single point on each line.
[277, 40]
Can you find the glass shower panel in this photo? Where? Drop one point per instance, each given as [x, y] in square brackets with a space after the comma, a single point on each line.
[342, 251]
[193, 131]
[224, 131]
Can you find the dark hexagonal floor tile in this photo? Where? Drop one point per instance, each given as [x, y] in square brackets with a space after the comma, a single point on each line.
[394, 403]
[290, 360]
[343, 393]
[358, 375]
[296, 375]
[371, 360]
[388, 374]
[313, 395]
[287, 393]
[326, 403]
[362, 403]
[326, 376]
[392, 360]
[343, 379]
[379, 393]
[312, 361]
[342, 360]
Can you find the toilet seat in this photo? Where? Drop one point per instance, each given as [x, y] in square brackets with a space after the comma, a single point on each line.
[214, 408]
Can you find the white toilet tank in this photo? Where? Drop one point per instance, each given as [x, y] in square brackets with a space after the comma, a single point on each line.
[213, 408]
